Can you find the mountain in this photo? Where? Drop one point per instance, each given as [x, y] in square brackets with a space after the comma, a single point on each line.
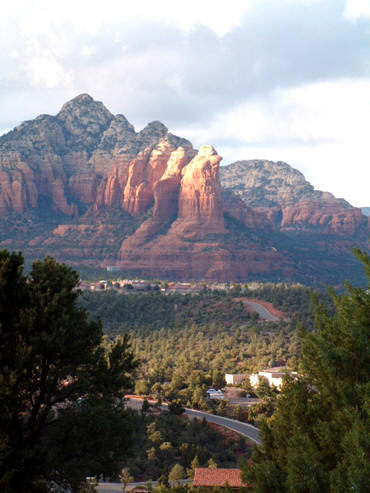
[283, 192]
[85, 187]
[365, 211]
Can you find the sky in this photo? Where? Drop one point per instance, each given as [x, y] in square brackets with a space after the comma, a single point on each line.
[285, 80]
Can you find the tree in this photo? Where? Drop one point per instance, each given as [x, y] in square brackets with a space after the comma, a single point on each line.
[125, 478]
[145, 406]
[176, 473]
[263, 388]
[141, 387]
[166, 447]
[238, 412]
[218, 379]
[194, 464]
[157, 391]
[212, 464]
[154, 435]
[60, 420]
[89, 486]
[176, 407]
[162, 482]
[319, 437]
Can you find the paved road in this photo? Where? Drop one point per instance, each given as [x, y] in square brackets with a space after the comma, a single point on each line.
[109, 487]
[244, 429]
[262, 311]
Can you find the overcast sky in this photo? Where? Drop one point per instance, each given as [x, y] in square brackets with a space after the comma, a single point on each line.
[283, 80]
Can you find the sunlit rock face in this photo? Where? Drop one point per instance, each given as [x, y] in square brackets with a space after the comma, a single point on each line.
[278, 190]
[187, 206]
[200, 205]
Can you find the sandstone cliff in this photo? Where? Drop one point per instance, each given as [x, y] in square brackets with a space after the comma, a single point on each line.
[188, 195]
[85, 187]
[296, 205]
[83, 156]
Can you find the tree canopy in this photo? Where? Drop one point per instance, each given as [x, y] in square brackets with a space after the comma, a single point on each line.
[319, 436]
[61, 417]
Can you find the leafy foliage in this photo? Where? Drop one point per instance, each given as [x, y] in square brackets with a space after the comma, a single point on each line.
[59, 415]
[146, 312]
[319, 437]
[161, 442]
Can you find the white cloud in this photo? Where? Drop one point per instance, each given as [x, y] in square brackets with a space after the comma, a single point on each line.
[45, 71]
[218, 15]
[357, 8]
[43, 16]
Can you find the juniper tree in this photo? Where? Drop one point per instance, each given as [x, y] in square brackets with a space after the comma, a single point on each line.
[60, 419]
[126, 478]
[176, 474]
[319, 437]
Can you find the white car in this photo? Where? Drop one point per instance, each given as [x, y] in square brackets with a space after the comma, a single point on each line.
[216, 394]
[211, 391]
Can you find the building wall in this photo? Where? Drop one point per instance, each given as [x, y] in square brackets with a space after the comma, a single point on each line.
[254, 379]
[275, 379]
[234, 379]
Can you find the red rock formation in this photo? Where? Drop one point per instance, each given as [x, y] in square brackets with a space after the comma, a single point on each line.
[82, 187]
[18, 189]
[166, 189]
[82, 156]
[172, 257]
[291, 202]
[197, 201]
[194, 198]
[85, 158]
[329, 215]
[166, 196]
[144, 172]
[200, 205]
[252, 218]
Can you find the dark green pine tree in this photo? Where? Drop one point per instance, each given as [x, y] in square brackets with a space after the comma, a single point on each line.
[318, 440]
[60, 413]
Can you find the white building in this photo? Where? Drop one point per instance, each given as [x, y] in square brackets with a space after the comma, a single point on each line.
[232, 379]
[274, 376]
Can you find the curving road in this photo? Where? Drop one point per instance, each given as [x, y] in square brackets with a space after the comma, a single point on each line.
[262, 311]
[244, 429]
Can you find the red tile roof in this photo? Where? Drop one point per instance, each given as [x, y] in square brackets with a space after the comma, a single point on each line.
[204, 476]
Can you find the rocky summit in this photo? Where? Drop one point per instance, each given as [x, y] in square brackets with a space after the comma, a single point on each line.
[86, 188]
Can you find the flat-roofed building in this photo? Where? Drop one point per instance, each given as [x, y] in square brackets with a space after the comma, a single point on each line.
[232, 379]
[274, 376]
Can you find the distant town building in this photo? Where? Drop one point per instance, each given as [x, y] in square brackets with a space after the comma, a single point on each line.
[232, 379]
[140, 285]
[217, 478]
[274, 376]
[84, 286]
[113, 268]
